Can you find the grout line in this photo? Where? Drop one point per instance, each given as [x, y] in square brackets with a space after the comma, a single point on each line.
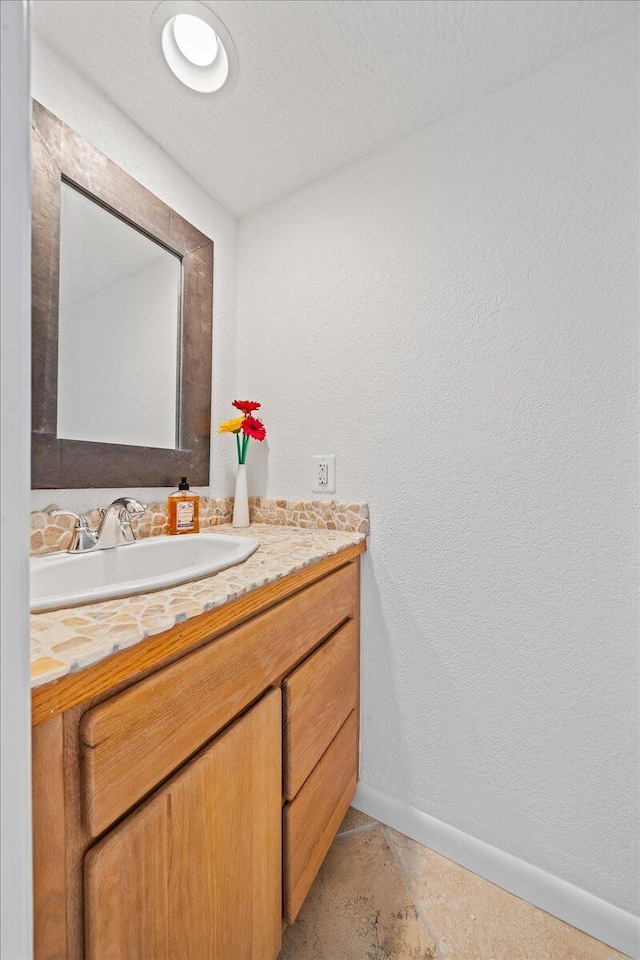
[418, 905]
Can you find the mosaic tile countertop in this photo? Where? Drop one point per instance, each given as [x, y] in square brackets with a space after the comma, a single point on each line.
[64, 641]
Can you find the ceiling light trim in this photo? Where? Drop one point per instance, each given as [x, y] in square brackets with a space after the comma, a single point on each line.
[216, 79]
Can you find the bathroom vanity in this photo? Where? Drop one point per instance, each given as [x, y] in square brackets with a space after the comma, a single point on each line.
[194, 749]
[187, 789]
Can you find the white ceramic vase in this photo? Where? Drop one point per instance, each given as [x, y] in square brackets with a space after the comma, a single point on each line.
[241, 500]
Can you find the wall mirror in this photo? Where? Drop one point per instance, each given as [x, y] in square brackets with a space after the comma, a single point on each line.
[122, 302]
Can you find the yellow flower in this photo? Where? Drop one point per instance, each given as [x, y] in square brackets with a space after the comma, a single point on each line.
[231, 426]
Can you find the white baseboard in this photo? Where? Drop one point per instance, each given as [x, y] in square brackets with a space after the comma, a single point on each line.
[575, 906]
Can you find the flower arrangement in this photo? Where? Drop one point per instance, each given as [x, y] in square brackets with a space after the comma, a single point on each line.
[244, 427]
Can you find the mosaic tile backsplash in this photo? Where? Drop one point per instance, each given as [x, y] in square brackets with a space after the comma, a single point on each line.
[50, 534]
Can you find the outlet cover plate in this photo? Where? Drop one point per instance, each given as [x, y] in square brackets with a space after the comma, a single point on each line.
[324, 473]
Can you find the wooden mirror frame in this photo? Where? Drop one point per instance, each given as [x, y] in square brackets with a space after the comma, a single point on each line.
[58, 153]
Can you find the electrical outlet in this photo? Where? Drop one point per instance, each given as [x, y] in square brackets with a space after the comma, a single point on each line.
[324, 473]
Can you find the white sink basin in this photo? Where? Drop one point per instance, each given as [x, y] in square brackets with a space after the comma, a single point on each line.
[68, 580]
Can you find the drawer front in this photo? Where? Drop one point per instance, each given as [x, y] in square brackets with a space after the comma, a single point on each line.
[137, 738]
[311, 821]
[318, 697]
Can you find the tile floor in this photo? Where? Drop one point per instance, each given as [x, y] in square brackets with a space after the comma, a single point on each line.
[381, 896]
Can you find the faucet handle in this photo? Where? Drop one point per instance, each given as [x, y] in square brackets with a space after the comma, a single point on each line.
[134, 508]
[80, 518]
[83, 538]
[129, 504]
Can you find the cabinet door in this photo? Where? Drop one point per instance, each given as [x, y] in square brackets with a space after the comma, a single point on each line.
[195, 872]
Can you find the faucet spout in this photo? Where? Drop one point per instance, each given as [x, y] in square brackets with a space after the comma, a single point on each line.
[115, 529]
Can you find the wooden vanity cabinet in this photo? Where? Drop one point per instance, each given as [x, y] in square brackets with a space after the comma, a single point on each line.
[163, 824]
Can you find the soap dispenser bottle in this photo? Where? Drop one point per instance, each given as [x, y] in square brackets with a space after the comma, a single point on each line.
[184, 509]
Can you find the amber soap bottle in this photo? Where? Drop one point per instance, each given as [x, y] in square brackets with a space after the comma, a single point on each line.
[184, 509]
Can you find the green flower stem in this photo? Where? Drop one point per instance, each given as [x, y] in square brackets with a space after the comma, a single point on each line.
[238, 447]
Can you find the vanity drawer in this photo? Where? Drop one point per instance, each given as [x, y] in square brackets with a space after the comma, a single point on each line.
[131, 742]
[318, 697]
[311, 821]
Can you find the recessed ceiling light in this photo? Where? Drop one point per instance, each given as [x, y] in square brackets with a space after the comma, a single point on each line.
[196, 45]
[195, 39]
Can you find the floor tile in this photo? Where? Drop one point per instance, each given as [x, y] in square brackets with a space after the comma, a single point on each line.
[472, 919]
[355, 820]
[359, 908]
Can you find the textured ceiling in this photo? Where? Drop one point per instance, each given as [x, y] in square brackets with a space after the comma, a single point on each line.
[321, 82]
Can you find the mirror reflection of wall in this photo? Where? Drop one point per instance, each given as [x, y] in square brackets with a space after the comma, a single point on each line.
[119, 330]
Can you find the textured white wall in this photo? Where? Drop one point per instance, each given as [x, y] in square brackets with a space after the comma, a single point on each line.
[455, 317]
[72, 97]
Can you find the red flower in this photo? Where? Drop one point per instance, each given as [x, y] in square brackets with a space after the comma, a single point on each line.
[246, 406]
[254, 428]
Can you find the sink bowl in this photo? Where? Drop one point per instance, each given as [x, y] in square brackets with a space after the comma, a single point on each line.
[68, 580]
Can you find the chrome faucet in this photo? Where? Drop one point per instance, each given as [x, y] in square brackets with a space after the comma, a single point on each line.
[114, 530]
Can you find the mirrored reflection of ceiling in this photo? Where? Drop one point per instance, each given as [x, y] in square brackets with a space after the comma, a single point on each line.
[321, 82]
[98, 250]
